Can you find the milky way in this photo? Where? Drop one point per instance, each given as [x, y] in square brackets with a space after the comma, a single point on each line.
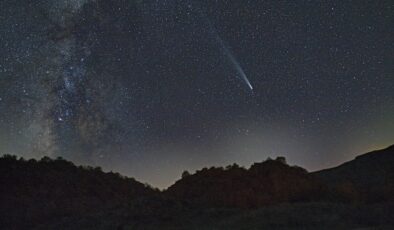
[151, 88]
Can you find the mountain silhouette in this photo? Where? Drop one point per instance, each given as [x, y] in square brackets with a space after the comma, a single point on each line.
[33, 191]
[266, 183]
[56, 194]
[369, 177]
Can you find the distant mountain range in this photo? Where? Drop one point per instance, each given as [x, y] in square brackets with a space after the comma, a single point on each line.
[37, 194]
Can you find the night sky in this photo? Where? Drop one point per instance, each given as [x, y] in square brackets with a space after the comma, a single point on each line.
[151, 88]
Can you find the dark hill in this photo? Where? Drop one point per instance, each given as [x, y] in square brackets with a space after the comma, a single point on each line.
[269, 182]
[33, 192]
[56, 194]
[369, 176]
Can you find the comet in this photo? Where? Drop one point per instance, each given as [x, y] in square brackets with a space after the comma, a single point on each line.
[225, 49]
[237, 66]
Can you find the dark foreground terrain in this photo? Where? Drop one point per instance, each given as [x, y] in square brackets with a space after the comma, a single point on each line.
[56, 194]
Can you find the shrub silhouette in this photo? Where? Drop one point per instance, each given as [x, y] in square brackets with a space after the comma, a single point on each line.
[185, 174]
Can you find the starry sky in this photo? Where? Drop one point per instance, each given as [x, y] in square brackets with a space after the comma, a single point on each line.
[151, 88]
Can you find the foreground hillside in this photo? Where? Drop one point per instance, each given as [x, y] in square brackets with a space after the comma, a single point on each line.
[266, 183]
[33, 192]
[56, 194]
[369, 177]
